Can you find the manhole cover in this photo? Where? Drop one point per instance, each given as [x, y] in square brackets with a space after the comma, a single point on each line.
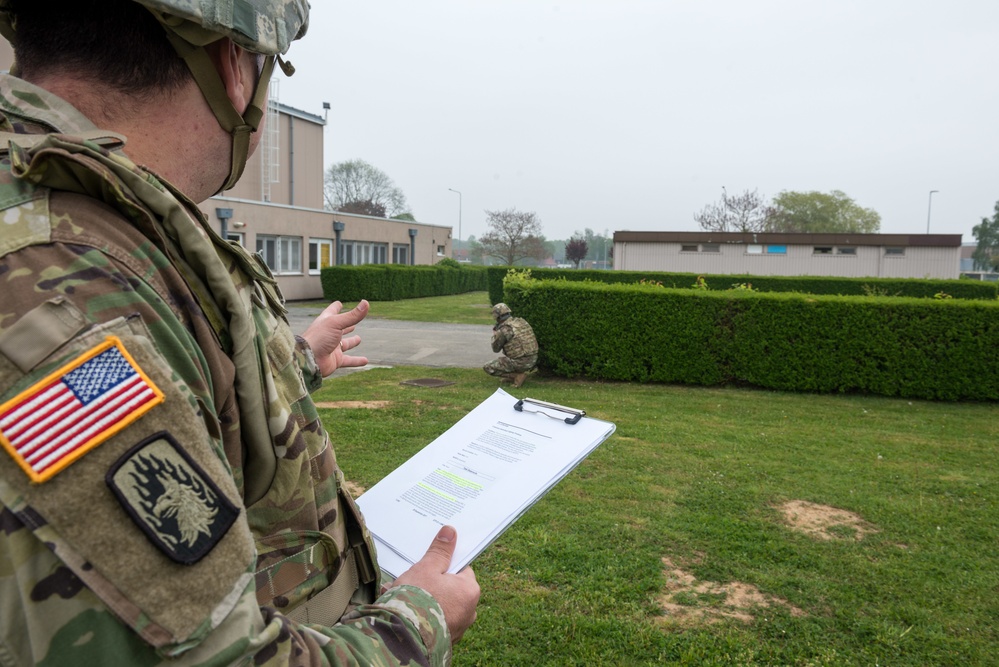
[426, 382]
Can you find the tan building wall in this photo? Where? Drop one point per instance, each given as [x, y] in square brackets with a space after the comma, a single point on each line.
[305, 240]
[294, 166]
[6, 55]
[848, 255]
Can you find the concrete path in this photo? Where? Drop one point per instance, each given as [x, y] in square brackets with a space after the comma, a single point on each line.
[398, 343]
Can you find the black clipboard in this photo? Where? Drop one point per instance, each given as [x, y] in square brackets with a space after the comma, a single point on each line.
[545, 405]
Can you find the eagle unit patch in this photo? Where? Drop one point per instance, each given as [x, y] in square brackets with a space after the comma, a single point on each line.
[60, 418]
[171, 498]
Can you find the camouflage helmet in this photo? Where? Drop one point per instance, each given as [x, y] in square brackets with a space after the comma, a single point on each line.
[501, 311]
[261, 26]
[265, 27]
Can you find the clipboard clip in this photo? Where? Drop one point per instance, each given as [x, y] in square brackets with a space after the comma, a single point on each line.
[542, 405]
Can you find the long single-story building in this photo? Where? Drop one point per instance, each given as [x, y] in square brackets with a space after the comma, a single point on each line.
[849, 255]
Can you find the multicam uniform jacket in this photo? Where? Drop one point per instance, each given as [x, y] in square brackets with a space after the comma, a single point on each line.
[515, 337]
[168, 494]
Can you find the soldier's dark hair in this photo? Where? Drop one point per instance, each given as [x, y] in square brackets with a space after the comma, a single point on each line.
[117, 42]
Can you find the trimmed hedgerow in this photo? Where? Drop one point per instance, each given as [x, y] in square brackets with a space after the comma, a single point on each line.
[914, 287]
[919, 348]
[392, 282]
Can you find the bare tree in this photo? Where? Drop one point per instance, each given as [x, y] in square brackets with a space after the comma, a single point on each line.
[747, 212]
[355, 186]
[366, 207]
[575, 250]
[513, 236]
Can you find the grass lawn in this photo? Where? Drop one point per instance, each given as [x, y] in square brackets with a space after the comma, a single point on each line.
[721, 526]
[468, 308]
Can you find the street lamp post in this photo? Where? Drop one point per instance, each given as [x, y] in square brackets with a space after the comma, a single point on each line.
[459, 215]
[605, 248]
[929, 209]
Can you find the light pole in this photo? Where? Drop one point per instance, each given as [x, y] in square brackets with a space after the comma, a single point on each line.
[929, 209]
[605, 249]
[459, 215]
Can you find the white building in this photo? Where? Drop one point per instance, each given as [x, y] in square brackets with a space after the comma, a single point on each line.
[848, 255]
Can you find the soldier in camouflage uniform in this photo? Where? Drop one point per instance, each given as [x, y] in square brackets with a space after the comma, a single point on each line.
[168, 494]
[515, 337]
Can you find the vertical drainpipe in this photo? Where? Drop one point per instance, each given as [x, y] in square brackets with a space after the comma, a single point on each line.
[291, 160]
[412, 247]
[337, 228]
[224, 214]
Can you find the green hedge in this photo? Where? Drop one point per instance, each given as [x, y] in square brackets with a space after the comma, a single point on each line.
[918, 348]
[914, 287]
[392, 282]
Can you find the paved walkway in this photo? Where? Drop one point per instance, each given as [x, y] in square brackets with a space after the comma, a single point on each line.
[398, 343]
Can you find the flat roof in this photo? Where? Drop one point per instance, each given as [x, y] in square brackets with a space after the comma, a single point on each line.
[298, 113]
[746, 238]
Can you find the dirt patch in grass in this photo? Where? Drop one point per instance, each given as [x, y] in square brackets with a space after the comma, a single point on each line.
[824, 522]
[369, 405]
[687, 601]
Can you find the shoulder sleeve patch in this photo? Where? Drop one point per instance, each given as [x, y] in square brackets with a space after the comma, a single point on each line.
[173, 501]
[57, 420]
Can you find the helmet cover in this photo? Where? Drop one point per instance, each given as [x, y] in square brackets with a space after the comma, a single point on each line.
[261, 26]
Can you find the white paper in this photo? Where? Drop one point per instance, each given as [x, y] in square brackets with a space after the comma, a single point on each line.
[479, 477]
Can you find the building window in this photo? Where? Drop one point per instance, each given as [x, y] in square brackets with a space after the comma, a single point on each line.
[846, 251]
[896, 252]
[283, 254]
[776, 249]
[440, 251]
[688, 247]
[400, 254]
[320, 255]
[754, 249]
[822, 250]
[710, 247]
[239, 238]
[357, 253]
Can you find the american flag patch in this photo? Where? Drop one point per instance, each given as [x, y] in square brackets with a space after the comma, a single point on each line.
[59, 419]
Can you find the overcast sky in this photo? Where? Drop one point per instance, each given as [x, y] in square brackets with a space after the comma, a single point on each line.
[633, 114]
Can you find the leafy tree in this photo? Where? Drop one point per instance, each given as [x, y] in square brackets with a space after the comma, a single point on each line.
[555, 249]
[575, 250]
[355, 186]
[747, 212]
[818, 212]
[513, 236]
[986, 255]
[474, 249]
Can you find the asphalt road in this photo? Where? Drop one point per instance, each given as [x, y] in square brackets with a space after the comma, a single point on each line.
[398, 343]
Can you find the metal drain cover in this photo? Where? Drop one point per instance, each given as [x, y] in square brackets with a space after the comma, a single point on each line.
[426, 382]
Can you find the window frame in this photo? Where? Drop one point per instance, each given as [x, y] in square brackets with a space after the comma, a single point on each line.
[285, 254]
[319, 243]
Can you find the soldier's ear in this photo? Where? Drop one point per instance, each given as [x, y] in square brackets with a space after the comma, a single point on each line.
[237, 69]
